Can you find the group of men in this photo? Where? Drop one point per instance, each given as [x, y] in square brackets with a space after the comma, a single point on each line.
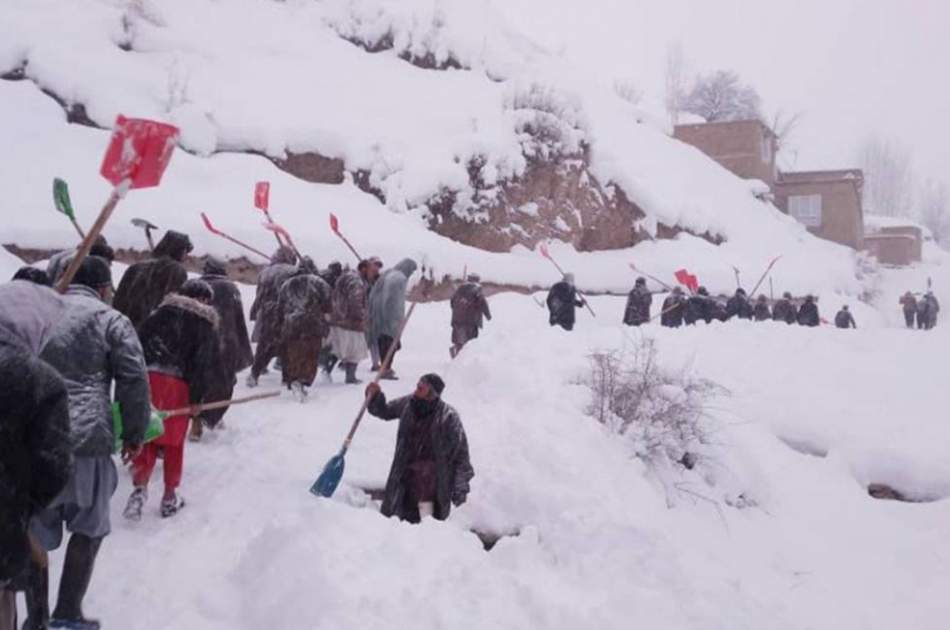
[923, 311]
[83, 371]
[679, 308]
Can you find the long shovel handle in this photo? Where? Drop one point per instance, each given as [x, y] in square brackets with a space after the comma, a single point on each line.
[114, 197]
[383, 367]
[218, 232]
[654, 278]
[547, 255]
[348, 244]
[219, 404]
[78, 229]
[764, 274]
[266, 212]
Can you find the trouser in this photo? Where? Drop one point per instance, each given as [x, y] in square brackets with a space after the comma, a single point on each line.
[373, 350]
[385, 341]
[7, 610]
[263, 354]
[168, 392]
[462, 334]
[300, 358]
[213, 416]
[909, 318]
[144, 464]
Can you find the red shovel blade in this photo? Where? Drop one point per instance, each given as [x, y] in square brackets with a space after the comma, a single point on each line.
[138, 151]
[262, 195]
[276, 228]
[208, 225]
[544, 250]
[334, 223]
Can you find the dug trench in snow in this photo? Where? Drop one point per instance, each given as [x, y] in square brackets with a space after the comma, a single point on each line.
[886, 492]
[487, 538]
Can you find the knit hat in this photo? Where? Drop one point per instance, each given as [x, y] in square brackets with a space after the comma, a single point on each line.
[197, 289]
[434, 381]
[34, 275]
[215, 267]
[94, 273]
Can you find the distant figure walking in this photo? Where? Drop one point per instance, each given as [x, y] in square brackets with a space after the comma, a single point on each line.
[562, 300]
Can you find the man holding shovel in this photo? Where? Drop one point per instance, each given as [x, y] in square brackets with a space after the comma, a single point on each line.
[60, 261]
[93, 347]
[431, 469]
[183, 355]
[145, 284]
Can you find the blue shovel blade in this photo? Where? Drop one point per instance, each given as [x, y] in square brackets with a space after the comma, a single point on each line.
[329, 479]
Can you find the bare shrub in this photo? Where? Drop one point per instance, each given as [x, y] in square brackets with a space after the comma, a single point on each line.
[663, 412]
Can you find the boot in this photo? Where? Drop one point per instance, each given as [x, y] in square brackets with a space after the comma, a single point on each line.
[251, 380]
[37, 598]
[197, 428]
[299, 391]
[133, 509]
[351, 374]
[171, 505]
[77, 573]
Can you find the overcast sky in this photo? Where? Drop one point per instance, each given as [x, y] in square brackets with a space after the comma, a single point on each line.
[851, 67]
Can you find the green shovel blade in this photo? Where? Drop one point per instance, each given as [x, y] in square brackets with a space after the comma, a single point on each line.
[61, 198]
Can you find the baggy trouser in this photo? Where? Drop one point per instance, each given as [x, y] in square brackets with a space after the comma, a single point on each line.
[300, 358]
[168, 392]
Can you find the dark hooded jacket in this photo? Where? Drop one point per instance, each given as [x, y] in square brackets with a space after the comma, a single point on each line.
[808, 314]
[93, 346]
[637, 311]
[701, 306]
[562, 300]
[927, 309]
[761, 311]
[180, 339]
[235, 343]
[304, 302]
[469, 306]
[844, 319]
[784, 311]
[145, 284]
[35, 456]
[738, 306]
[349, 309]
[266, 307]
[449, 446]
[674, 310]
[387, 299]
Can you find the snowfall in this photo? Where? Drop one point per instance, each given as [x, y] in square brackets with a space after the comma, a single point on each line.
[774, 528]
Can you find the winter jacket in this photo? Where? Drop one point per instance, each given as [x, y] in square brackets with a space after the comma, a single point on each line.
[387, 300]
[235, 344]
[266, 308]
[784, 311]
[58, 263]
[145, 284]
[304, 302]
[180, 339]
[738, 306]
[927, 309]
[808, 314]
[844, 319]
[562, 300]
[348, 302]
[909, 302]
[701, 307]
[761, 312]
[469, 306]
[92, 346]
[35, 456]
[453, 467]
[674, 310]
[637, 311]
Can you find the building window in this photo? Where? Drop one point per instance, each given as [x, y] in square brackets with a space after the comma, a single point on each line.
[806, 208]
[766, 148]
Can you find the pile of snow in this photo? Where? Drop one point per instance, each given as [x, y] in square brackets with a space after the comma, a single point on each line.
[874, 223]
[281, 77]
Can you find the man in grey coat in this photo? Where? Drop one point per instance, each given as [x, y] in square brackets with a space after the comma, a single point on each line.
[93, 347]
[387, 307]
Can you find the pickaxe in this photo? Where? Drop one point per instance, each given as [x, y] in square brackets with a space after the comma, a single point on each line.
[148, 227]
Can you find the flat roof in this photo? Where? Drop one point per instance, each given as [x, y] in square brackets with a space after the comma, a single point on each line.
[745, 121]
[798, 177]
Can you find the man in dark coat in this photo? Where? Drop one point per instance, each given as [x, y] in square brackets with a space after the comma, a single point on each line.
[387, 307]
[701, 306]
[844, 318]
[761, 311]
[304, 303]
[738, 306]
[431, 469]
[909, 304]
[232, 330]
[145, 284]
[784, 310]
[808, 312]
[674, 309]
[927, 309]
[265, 311]
[59, 262]
[35, 454]
[349, 316]
[332, 273]
[95, 349]
[469, 308]
[183, 356]
[562, 300]
[34, 275]
[639, 301]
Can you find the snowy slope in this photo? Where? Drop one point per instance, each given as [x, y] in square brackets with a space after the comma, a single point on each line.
[601, 541]
[281, 77]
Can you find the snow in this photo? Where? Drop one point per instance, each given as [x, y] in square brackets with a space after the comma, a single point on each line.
[602, 539]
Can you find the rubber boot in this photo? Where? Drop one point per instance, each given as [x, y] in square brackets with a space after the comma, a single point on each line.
[77, 573]
[37, 598]
[351, 374]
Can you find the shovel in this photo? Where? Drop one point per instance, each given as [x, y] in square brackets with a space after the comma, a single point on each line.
[64, 205]
[148, 227]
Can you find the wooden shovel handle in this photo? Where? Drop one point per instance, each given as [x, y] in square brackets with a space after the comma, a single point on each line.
[117, 193]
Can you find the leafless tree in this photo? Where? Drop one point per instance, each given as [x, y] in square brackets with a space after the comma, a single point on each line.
[628, 90]
[720, 96]
[675, 80]
[934, 208]
[784, 124]
[888, 177]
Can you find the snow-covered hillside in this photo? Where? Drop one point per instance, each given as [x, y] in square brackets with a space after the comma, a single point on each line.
[281, 77]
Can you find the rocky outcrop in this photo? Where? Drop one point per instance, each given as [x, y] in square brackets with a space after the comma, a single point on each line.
[311, 167]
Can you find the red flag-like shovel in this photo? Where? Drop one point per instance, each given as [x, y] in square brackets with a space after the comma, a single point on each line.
[282, 233]
[137, 156]
[262, 203]
[687, 279]
[544, 252]
[335, 227]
